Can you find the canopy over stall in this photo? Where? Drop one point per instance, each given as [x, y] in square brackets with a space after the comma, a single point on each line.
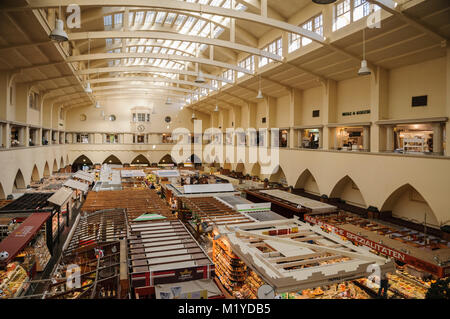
[20, 237]
[291, 256]
[61, 196]
[132, 173]
[71, 183]
[165, 252]
[84, 176]
[258, 211]
[312, 205]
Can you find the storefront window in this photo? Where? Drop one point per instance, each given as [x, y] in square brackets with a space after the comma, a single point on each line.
[283, 138]
[167, 138]
[414, 138]
[83, 138]
[139, 139]
[310, 139]
[15, 141]
[350, 138]
[112, 138]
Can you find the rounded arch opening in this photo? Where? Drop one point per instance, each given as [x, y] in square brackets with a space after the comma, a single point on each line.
[46, 170]
[55, 166]
[278, 176]
[35, 177]
[113, 160]
[166, 159]
[140, 160]
[307, 182]
[80, 162]
[19, 182]
[256, 170]
[240, 168]
[408, 204]
[2, 192]
[347, 190]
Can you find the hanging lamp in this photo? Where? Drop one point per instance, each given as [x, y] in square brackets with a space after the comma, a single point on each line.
[88, 85]
[364, 70]
[58, 33]
[260, 95]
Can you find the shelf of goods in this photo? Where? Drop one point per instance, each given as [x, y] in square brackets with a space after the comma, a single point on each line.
[403, 285]
[231, 271]
[347, 290]
[12, 281]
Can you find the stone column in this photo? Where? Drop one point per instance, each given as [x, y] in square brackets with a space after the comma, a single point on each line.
[389, 138]
[366, 138]
[437, 138]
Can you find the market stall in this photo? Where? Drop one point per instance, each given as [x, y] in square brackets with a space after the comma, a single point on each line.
[26, 254]
[164, 252]
[95, 248]
[289, 256]
[427, 253]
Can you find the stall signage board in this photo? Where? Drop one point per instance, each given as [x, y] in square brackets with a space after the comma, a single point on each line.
[208, 188]
[253, 207]
[436, 270]
[19, 238]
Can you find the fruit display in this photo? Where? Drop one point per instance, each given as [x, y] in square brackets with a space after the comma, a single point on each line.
[346, 290]
[12, 280]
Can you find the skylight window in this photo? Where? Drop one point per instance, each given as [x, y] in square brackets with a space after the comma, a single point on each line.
[160, 17]
[107, 21]
[170, 17]
[180, 19]
[118, 19]
[130, 18]
[149, 16]
[139, 18]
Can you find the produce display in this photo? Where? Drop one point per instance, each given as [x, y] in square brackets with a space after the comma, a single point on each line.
[230, 270]
[402, 285]
[12, 280]
[40, 252]
[346, 290]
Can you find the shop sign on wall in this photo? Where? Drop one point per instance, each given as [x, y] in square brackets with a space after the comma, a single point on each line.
[356, 113]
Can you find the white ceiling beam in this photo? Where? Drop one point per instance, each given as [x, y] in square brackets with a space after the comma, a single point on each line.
[114, 56]
[174, 37]
[147, 79]
[182, 6]
[150, 70]
[156, 87]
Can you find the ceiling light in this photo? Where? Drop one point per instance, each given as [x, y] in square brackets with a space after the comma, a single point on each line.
[154, 146]
[216, 109]
[324, 1]
[364, 70]
[58, 33]
[260, 95]
[193, 116]
[200, 78]
[181, 107]
[88, 88]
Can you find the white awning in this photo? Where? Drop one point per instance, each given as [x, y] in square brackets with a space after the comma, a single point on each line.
[77, 185]
[84, 176]
[61, 196]
[132, 173]
[208, 188]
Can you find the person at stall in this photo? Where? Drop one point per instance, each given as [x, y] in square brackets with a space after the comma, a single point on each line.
[174, 206]
[384, 285]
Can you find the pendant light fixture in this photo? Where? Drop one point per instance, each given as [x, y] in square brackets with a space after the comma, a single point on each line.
[260, 96]
[364, 70]
[97, 105]
[324, 1]
[216, 109]
[200, 79]
[88, 85]
[58, 33]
